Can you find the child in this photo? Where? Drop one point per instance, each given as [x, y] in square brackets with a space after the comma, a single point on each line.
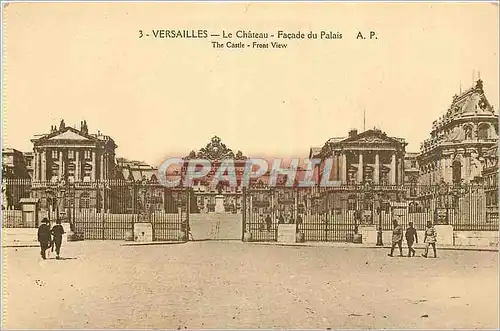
[411, 233]
[430, 239]
[57, 231]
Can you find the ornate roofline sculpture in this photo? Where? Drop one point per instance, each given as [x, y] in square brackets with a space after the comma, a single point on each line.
[215, 150]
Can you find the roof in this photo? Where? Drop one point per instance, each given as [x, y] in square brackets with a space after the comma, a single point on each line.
[371, 136]
[71, 134]
[471, 104]
[314, 152]
[9, 150]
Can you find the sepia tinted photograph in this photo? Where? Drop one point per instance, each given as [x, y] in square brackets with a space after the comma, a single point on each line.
[250, 165]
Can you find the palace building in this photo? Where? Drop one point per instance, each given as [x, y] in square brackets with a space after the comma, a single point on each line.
[455, 151]
[368, 157]
[73, 155]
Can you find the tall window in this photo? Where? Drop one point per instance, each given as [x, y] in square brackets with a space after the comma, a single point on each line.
[55, 154]
[71, 154]
[482, 132]
[457, 172]
[87, 154]
[468, 132]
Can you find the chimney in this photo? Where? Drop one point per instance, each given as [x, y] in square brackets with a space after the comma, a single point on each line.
[353, 133]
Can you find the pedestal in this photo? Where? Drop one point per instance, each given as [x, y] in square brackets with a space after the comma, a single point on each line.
[287, 233]
[219, 204]
[143, 232]
[444, 234]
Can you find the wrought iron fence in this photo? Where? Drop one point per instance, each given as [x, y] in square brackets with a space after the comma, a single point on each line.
[104, 210]
[335, 214]
[108, 209]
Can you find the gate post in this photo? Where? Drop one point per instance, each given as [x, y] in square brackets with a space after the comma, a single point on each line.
[244, 219]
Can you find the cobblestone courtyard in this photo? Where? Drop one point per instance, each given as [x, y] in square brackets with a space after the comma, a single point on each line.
[237, 285]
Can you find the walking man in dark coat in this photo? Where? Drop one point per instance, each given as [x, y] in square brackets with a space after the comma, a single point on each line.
[44, 237]
[397, 238]
[411, 235]
[57, 231]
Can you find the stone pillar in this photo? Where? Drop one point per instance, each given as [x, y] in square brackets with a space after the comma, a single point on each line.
[393, 169]
[105, 175]
[77, 165]
[35, 166]
[101, 168]
[60, 165]
[401, 170]
[360, 167]
[443, 168]
[43, 171]
[344, 168]
[376, 175]
[93, 173]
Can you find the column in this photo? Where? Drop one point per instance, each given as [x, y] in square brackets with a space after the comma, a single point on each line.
[343, 175]
[101, 168]
[360, 167]
[60, 165]
[376, 175]
[393, 169]
[92, 176]
[336, 164]
[35, 165]
[401, 170]
[43, 171]
[77, 165]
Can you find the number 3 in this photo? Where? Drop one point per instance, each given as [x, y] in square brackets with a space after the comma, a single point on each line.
[140, 34]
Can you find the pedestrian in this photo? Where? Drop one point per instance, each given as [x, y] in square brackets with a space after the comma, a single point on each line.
[57, 231]
[44, 237]
[397, 238]
[411, 234]
[430, 239]
[268, 222]
[281, 219]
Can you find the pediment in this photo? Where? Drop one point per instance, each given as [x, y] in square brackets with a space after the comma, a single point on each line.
[68, 135]
[372, 137]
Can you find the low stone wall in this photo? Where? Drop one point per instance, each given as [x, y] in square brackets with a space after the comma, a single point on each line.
[27, 235]
[445, 236]
[369, 236]
[476, 238]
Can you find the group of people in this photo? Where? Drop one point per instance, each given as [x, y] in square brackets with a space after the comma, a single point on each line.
[412, 237]
[48, 238]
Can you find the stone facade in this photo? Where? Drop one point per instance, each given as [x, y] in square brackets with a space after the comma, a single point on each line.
[69, 154]
[368, 157]
[455, 152]
[14, 164]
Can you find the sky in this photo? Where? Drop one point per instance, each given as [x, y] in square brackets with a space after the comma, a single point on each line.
[162, 97]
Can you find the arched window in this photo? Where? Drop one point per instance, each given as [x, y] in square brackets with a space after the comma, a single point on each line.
[482, 132]
[457, 171]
